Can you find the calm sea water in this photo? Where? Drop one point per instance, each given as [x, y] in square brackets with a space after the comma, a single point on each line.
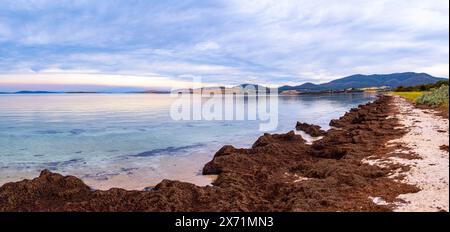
[130, 140]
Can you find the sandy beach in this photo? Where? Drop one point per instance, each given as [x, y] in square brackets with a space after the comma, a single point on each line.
[382, 156]
[420, 149]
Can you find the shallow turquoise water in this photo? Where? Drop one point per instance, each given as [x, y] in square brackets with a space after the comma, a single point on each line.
[102, 135]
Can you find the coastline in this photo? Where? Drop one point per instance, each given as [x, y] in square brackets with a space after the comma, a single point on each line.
[421, 149]
[185, 168]
[279, 173]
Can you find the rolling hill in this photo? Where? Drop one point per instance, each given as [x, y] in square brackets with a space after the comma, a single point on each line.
[365, 81]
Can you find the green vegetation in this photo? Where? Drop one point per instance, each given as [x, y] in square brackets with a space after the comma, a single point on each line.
[421, 88]
[434, 94]
[435, 98]
[410, 96]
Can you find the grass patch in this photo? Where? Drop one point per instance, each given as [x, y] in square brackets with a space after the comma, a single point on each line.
[410, 96]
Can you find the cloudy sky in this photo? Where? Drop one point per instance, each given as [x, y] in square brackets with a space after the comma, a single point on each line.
[87, 45]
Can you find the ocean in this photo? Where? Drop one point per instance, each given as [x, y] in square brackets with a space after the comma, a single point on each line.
[130, 140]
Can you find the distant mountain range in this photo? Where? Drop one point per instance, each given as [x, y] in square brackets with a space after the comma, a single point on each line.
[242, 88]
[36, 92]
[81, 92]
[358, 81]
[30, 92]
[353, 83]
[366, 81]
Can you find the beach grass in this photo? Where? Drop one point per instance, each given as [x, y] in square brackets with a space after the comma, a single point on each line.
[410, 96]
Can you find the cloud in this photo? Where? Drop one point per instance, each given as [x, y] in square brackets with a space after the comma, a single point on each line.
[55, 77]
[207, 46]
[229, 42]
[4, 32]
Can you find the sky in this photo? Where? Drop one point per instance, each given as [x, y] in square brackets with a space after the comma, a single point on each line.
[116, 45]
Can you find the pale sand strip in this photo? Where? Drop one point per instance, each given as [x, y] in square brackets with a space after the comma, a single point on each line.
[431, 172]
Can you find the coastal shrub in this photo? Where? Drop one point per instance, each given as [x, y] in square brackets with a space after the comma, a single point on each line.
[436, 97]
[421, 88]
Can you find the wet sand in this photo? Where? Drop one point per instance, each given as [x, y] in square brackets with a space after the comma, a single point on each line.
[182, 168]
[187, 168]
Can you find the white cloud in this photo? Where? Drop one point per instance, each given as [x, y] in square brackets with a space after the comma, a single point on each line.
[266, 41]
[441, 70]
[80, 78]
[209, 45]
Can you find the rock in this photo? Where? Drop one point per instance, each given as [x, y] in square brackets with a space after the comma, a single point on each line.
[310, 129]
[277, 138]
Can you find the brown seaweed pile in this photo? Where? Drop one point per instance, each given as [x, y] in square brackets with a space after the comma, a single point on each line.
[279, 173]
[310, 129]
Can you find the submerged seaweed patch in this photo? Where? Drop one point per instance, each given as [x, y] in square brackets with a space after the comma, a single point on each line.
[168, 150]
[57, 164]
